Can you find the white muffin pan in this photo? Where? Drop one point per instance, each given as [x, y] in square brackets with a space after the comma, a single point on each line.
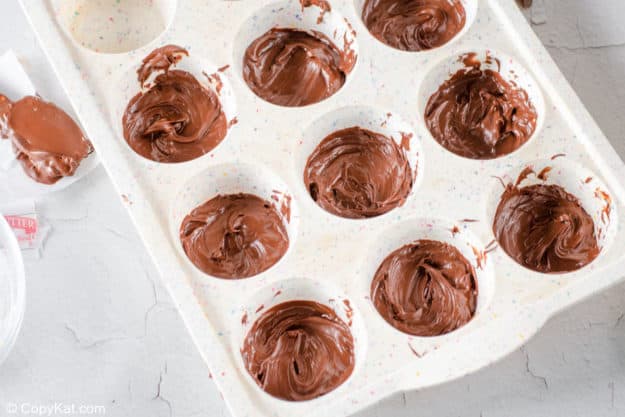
[332, 259]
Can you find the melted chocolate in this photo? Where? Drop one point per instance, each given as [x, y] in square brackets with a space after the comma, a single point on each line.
[356, 173]
[299, 350]
[414, 25]
[289, 67]
[174, 118]
[426, 288]
[477, 114]
[544, 228]
[5, 109]
[234, 236]
[160, 60]
[47, 141]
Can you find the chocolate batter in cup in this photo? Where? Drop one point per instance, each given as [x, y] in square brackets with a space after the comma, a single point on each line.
[296, 53]
[357, 173]
[291, 67]
[544, 227]
[479, 113]
[234, 236]
[299, 350]
[175, 118]
[425, 288]
[414, 25]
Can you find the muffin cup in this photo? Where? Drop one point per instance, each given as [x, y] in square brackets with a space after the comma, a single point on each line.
[291, 14]
[510, 69]
[376, 120]
[234, 178]
[592, 193]
[458, 235]
[207, 74]
[470, 7]
[303, 289]
[110, 27]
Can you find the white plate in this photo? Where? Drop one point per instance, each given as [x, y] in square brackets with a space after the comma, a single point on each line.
[12, 289]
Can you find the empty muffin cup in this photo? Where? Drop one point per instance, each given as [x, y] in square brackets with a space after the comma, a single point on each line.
[360, 162]
[113, 27]
[295, 53]
[300, 339]
[552, 216]
[428, 277]
[234, 221]
[481, 105]
[416, 25]
[174, 107]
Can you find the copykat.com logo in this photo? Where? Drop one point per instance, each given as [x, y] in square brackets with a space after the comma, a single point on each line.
[54, 409]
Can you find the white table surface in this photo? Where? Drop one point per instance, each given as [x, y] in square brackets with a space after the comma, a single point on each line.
[100, 330]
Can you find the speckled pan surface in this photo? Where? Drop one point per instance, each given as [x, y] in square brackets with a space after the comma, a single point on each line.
[333, 259]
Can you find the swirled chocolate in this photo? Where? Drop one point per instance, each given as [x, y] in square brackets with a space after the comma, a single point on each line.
[544, 228]
[414, 25]
[357, 173]
[299, 350]
[477, 114]
[47, 142]
[174, 118]
[234, 236]
[426, 288]
[290, 67]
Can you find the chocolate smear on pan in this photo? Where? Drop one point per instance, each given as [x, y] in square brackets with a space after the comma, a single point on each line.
[526, 4]
[322, 4]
